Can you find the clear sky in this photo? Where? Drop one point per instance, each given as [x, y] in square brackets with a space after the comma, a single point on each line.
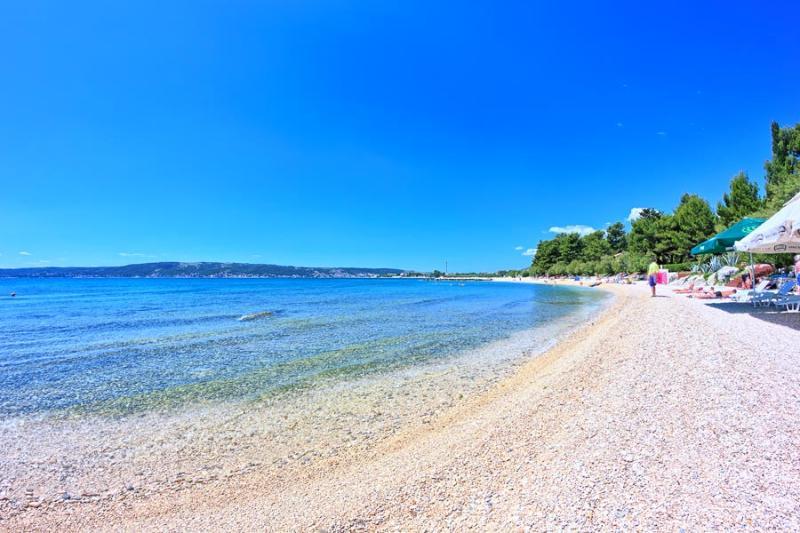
[395, 134]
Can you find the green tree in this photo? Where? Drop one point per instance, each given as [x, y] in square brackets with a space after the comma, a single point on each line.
[742, 200]
[621, 263]
[668, 238]
[783, 170]
[594, 246]
[644, 233]
[667, 242]
[575, 267]
[547, 255]
[694, 223]
[615, 235]
[605, 266]
[558, 269]
[570, 247]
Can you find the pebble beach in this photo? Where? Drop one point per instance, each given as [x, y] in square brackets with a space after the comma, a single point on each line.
[658, 413]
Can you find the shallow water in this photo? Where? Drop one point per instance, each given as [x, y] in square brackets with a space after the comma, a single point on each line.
[123, 345]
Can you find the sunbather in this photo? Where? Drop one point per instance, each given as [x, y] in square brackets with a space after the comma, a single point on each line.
[687, 290]
[699, 290]
[713, 295]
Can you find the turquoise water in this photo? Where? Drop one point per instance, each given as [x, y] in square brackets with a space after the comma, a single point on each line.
[118, 345]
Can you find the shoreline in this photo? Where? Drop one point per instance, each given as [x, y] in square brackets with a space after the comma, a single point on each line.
[617, 425]
[334, 420]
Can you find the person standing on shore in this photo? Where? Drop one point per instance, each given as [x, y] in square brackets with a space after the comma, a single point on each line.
[797, 272]
[652, 271]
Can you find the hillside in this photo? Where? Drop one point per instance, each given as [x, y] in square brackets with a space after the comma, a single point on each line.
[198, 270]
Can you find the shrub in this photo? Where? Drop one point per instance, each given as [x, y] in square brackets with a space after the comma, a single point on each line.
[678, 267]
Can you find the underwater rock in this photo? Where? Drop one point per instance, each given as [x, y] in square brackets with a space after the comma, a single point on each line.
[255, 316]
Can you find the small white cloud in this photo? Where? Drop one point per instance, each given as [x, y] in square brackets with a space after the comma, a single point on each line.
[530, 252]
[635, 213]
[519, 248]
[580, 229]
[25, 253]
[662, 133]
[134, 254]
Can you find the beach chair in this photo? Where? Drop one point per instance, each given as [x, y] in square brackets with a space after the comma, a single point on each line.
[788, 296]
[747, 296]
[790, 303]
[760, 292]
[765, 299]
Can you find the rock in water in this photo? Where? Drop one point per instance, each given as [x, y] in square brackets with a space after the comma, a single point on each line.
[255, 316]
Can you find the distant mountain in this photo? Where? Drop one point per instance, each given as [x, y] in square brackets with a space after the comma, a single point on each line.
[198, 270]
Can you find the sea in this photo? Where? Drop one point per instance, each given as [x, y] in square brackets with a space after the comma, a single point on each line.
[120, 346]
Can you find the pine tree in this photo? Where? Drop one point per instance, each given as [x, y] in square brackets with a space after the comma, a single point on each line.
[595, 246]
[694, 223]
[644, 233]
[742, 200]
[783, 170]
[615, 235]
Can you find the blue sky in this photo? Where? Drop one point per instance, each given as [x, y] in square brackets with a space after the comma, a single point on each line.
[372, 134]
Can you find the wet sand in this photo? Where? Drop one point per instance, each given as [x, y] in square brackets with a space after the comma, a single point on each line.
[663, 413]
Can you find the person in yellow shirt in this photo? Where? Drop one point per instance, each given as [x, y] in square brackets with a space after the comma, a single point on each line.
[652, 270]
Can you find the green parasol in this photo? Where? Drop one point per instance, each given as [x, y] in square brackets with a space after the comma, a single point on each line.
[723, 242]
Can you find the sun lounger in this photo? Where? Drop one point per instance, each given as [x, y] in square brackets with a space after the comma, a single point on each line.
[748, 296]
[767, 298]
[789, 303]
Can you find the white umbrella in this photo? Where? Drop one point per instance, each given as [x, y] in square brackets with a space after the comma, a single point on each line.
[780, 233]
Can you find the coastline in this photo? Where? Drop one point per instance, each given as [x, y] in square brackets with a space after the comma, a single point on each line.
[152, 454]
[618, 425]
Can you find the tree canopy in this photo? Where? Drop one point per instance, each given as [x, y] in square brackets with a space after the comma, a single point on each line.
[644, 233]
[595, 246]
[740, 201]
[783, 170]
[669, 237]
[617, 240]
[694, 223]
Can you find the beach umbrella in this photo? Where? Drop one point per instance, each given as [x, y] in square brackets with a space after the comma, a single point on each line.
[724, 241]
[780, 234]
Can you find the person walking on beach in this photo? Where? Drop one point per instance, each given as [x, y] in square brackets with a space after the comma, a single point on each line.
[652, 271]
